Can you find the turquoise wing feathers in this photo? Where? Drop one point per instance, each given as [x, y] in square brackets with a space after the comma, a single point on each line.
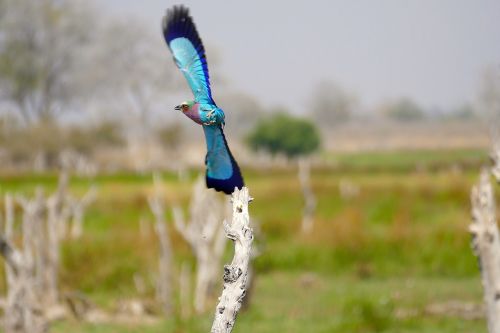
[189, 54]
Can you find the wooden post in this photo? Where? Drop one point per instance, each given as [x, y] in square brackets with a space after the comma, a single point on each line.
[235, 274]
[486, 245]
[164, 283]
[310, 200]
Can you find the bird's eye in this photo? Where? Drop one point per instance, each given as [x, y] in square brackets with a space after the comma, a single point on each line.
[184, 107]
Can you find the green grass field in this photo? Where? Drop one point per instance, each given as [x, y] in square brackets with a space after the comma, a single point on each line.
[379, 261]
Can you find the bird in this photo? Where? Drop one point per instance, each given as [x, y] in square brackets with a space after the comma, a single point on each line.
[180, 33]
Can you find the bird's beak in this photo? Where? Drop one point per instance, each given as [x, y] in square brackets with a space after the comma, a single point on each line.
[178, 107]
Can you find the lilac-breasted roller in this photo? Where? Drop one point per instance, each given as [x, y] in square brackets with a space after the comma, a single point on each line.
[222, 171]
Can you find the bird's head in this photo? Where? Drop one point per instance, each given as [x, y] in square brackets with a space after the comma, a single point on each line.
[185, 106]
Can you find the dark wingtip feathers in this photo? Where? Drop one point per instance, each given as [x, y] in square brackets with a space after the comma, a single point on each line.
[178, 23]
[173, 16]
[226, 185]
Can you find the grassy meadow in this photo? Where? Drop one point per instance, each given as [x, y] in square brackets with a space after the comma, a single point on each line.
[392, 255]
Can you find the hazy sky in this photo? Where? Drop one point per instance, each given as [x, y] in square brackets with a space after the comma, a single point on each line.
[430, 50]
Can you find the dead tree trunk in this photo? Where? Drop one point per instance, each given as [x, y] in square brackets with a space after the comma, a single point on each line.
[310, 199]
[204, 233]
[164, 283]
[34, 244]
[77, 208]
[23, 310]
[32, 281]
[56, 222]
[235, 274]
[486, 245]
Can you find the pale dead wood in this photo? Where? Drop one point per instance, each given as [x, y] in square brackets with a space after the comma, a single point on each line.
[164, 283]
[23, 310]
[235, 274]
[78, 207]
[33, 269]
[486, 245]
[204, 233]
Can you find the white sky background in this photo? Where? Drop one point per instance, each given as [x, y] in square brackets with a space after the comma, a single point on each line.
[433, 51]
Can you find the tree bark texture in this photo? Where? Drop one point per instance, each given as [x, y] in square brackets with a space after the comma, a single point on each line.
[236, 273]
[486, 245]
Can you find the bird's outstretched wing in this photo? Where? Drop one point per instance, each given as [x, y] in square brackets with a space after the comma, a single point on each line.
[188, 51]
[223, 173]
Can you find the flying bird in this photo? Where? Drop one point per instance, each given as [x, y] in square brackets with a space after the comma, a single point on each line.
[222, 171]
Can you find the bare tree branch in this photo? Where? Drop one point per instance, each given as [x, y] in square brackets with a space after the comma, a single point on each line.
[203, 233]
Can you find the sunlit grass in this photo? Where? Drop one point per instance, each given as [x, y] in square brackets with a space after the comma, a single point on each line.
[309, 302]
[400, 243]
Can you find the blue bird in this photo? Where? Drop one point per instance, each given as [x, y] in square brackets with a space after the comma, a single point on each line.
[222, 171]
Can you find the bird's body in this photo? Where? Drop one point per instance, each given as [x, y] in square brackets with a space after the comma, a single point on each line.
[205, 114]
[223, 173]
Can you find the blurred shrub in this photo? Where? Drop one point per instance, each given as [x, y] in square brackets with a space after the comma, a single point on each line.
[86, 140]
[21, 145]
[245, 112]
[42, 46]
[331, 105]
[285, 134]
[366, 315]
[403, 110]
[464, 112]
[170, 136]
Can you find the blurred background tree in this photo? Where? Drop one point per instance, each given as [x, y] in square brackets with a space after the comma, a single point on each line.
[243, 112]
[40, 52]
[295, 138]
[61, 81]
[131, 71]
[489, 101]
[403, 110]
[170, 136]
[331, 105]
[47, 141]
[463, 112]
[3, 8]
[285, 134]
